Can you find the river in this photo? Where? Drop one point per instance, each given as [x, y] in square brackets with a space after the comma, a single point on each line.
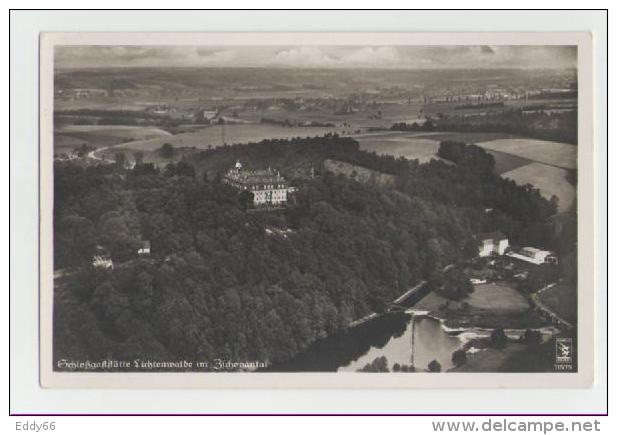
[390, 336]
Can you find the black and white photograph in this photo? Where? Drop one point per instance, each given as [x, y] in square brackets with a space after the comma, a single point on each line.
[339, 204]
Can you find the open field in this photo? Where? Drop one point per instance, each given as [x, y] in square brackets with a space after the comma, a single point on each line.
[491, 296]
[69, 136]
[407, 145]
[505, 162]
[551, 153]
[423, 146]
[66, 144]
[217, 135]
[468, 137]
[540, 163]
[549, 179]
[562, 299]
[497, 296]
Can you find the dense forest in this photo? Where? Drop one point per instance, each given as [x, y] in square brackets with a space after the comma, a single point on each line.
[295, 157]
[219, 285]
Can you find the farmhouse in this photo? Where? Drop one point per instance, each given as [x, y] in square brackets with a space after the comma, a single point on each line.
[534, 255]
[492, 243]
[267, 186]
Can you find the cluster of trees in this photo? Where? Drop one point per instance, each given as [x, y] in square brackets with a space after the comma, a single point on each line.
[473, 183]
[294, 157]
[381, 365]
[466, 155]
[217, 285]
[378, 365]
[454, 285]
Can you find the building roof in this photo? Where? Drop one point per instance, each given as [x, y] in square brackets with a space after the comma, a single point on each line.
[495, 235]
[243, 176]
[531, 250]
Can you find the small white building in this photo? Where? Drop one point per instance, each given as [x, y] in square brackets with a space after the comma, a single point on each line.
[102, 262]
[534, 255]
[144, 249]
[494, 243]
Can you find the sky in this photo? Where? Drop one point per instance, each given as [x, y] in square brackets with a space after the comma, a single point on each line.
[386, 57]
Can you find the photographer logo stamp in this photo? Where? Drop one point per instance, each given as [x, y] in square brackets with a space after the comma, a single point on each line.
[563, 353]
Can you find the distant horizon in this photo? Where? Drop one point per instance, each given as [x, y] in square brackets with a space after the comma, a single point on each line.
[82, 68]
[317, 57]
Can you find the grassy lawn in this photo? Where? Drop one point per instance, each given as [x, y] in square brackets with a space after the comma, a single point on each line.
[562, 299]
[491, 296]
[497, 296]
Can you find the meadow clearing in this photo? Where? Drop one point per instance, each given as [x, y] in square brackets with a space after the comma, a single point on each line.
[408, 145]
[498, 297]
[551, 153]
[548, 179]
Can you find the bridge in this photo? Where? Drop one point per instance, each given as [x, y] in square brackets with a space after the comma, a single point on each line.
[415, 294]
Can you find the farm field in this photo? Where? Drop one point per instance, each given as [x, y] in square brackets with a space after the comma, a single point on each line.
[551, 153]
[70, 136]
[468, 137]
[230, 134]
[407, 145]
[505, 162]
[423, 146]
[562, 299]
[549, 179]
[66, 144]
[524, 161]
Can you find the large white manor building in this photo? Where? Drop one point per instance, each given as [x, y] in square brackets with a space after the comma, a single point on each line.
[267, 186]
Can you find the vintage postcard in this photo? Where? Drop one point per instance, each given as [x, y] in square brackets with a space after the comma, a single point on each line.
[316, 210]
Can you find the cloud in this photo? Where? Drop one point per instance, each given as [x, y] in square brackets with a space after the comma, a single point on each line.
[304, 56]
[373, 57]
[396, 57]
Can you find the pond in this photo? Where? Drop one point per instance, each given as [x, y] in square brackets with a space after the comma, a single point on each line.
[400, 337]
